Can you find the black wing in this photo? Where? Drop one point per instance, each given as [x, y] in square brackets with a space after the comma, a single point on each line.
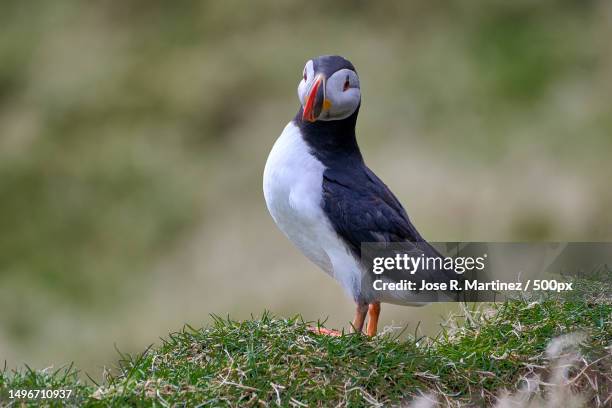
[361, 209]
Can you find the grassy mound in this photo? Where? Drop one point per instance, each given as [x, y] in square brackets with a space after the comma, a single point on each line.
[271, 361]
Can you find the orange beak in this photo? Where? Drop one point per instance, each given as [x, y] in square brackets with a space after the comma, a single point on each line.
[314, 102]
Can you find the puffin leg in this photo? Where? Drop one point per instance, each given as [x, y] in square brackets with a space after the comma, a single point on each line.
[360, 315]
[373, 313]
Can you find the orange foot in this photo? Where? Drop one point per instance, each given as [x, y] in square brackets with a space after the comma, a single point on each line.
[325, 332]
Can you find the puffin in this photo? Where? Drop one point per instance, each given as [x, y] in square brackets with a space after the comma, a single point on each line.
[322, 195]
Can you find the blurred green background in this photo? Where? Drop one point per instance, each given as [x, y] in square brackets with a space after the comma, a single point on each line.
[133, 136]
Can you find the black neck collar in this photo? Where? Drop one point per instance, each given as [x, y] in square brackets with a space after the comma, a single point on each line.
[331, 141]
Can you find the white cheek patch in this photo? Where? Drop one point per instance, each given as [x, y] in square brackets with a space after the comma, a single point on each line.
[302, 92]
[303, 86]
[343, 102]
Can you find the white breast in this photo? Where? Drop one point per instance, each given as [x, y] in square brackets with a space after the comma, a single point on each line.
[292, 187]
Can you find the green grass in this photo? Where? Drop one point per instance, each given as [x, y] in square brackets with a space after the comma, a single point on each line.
[269, 361]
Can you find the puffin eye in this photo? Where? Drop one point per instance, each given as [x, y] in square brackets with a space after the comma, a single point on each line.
[346, 84]
[305, 76]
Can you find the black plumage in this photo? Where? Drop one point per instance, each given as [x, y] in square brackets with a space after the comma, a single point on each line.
[360, 207]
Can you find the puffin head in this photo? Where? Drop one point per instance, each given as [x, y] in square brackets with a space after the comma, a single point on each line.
[329, 89]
